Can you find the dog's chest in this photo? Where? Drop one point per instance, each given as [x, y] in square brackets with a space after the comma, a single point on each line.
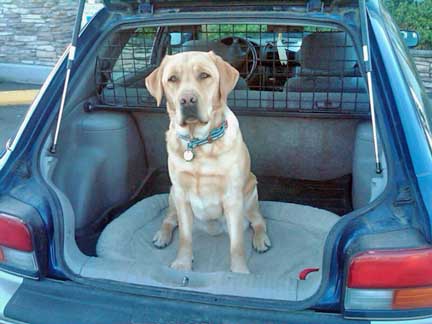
[206, 207]
[204, 189]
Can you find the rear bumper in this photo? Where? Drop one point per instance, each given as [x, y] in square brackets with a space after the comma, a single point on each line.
[427, 320]
[9, 284]
[50, 301]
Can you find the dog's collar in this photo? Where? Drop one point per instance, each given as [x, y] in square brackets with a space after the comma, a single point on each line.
[192, 143]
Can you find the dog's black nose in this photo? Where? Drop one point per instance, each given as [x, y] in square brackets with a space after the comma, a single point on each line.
[188, 99]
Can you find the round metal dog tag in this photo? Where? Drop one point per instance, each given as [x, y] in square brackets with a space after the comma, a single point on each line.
[188, 155]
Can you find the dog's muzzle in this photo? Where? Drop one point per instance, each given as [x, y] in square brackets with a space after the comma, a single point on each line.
[189, 113]
[189, 108]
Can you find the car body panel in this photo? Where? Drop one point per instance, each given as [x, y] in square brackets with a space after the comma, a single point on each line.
[412, 141]
[134, 7]
[406, 84]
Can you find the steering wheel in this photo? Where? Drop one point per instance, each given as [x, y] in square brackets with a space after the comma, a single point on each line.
[237, 52]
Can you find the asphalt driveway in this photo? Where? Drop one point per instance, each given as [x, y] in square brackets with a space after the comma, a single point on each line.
[14, 101]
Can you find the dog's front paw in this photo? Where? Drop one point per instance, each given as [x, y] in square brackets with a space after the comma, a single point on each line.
[261, 242]
[182, 264]
[162, 239]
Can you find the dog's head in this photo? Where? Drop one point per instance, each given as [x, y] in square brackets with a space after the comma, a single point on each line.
[194, 85]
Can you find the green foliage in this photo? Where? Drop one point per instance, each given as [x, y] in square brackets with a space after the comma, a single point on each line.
[218, 31]
[413, 15]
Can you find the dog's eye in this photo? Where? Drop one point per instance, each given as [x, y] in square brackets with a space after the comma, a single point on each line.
[172, 78]
[204, 75]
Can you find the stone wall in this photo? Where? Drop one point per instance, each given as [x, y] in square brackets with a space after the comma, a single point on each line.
[36, 31]
[423, 61]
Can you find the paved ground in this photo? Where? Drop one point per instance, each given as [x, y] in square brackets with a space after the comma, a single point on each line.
[14, 101]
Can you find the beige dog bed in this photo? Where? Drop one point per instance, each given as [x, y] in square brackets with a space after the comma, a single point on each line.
[126, 253]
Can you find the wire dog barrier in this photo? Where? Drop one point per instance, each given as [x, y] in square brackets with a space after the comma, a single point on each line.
[282, 68]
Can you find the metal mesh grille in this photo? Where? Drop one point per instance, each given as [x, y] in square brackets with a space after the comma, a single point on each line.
[282, 68]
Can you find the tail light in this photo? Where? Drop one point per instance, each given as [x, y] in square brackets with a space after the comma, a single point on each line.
[390, 280]
[16, 245]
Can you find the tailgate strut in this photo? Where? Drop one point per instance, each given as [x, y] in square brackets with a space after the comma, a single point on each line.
[368, 69]
[71, 58]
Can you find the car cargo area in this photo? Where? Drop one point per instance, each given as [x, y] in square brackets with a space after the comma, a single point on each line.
[303, 109]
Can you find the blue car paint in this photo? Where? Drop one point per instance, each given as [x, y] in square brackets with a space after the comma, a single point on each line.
[405, 85]
[12, 181]
[411, 141]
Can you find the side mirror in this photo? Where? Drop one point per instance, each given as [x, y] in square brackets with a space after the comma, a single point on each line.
[410, 37]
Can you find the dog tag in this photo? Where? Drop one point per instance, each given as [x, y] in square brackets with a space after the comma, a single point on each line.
[188, 155]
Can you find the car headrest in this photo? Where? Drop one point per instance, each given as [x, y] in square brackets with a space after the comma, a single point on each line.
[328, 53]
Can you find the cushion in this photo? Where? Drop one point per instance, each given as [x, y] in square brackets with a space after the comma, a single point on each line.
[298, 234]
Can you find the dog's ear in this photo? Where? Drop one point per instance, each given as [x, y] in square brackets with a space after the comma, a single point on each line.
[228, 76]
[153, 83]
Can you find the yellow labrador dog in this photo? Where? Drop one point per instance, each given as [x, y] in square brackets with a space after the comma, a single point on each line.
[208, 161]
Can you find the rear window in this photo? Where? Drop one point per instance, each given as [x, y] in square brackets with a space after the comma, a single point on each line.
[282, 68]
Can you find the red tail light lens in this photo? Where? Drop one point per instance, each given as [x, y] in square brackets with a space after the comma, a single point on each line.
[389, 280]
[391, 269]
[16, 246]
[15, 234]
